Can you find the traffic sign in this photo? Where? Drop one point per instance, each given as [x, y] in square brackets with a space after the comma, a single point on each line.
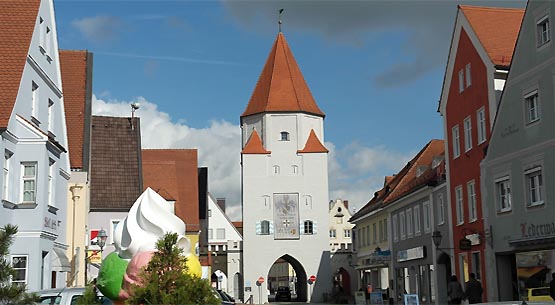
[261, 279]
[313, 278]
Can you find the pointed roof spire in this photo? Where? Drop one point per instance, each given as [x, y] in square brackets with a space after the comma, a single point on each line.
[254, 145]
[313, 144]
[281, 86]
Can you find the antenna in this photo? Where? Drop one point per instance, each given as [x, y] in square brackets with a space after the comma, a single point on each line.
[134, 107]
[280, 11]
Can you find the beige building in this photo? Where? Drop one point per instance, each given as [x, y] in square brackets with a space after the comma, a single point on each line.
[340, 227]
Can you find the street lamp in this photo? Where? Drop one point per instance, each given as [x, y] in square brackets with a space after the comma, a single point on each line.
[101, 238]
[436, 238]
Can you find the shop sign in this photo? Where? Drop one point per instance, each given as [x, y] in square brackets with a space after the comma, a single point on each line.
[51, 223]
[410, 254]
[537, 230]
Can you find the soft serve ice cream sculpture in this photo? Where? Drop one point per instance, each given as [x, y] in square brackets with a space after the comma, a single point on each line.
[150, 217]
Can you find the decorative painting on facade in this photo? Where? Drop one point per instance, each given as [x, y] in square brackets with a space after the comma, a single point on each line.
[286, 216]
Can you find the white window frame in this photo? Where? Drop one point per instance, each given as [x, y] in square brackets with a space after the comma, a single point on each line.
[220, 233]
[441, 209]
[284, 136]
[503, 199]
[395, 228]
[472, 208]
[416, 214]
[459, 204]
[264, 227]
[276, 169]
[410, 225]
[26, 179]
[347, 233]
[6, 177]
[51, 182]
[375, 233]
[543, 31]
[34, 99]
[467, 133]
[210, 234]
[532, 107]
[402, 225]
[455, 136]
[50, 115]
[385, 229]
[26, 268]
[333, 233]
[468, 75]
[308, 227]
[481, 125]
[461, 80]
[534, 175]
[427, 218]
[381, 231]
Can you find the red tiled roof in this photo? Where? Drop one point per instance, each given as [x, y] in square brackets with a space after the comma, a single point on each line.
[313, 144]
[116, 180]
[424, 157]
[254, 145]
[238, 225]
[497, 29]
[74, 67]
[281, 86]
[17, 23]
[173, 173]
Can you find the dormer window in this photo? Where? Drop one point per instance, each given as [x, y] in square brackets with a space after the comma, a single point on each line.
[284, 136]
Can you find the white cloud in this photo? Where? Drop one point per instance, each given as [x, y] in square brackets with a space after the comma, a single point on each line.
[355, 171]
[99, 28]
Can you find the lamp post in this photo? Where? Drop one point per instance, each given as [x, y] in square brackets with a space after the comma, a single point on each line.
[101, 242]
[436, 238]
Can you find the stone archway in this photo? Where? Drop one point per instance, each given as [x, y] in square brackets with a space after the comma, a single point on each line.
[443, 276]
[219, 280]
[343, 280]
[293, 275]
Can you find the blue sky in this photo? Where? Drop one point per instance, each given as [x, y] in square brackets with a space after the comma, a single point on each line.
[374, 67]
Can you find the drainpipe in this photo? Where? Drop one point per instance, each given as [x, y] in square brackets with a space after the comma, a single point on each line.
[73, 189]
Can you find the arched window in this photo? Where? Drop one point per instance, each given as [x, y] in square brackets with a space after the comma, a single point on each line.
[284, 136]
[276, 169]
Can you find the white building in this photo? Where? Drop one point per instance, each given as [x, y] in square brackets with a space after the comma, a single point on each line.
[284, 181]
[34, 142]
[225, 242]
[340, 227]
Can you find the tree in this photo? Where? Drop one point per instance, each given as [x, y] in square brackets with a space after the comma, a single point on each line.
[10, 293]
[165, 280]
[90, 296]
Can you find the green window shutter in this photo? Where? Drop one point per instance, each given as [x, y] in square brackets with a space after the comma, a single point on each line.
[258, 228]
[271, 227]
[301, 227]
[314, 227]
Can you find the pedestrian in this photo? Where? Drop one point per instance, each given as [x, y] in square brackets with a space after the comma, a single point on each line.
[454, 291]
[473, 290]
[552, 286]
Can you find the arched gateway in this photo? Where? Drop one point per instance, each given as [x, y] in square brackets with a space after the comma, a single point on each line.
[284, 180]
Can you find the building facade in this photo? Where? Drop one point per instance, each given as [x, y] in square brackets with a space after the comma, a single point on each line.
[476, 71]
[518, 171]
[36, 166]
[284, 181]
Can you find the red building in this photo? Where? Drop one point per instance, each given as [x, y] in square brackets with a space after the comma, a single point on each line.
[481, 50]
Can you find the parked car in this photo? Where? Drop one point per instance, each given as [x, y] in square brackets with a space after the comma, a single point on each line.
[540, 294]
[66, 296]
[220, 295]
[283, 293]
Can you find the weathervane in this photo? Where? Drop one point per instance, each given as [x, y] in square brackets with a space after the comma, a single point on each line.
[279, 18]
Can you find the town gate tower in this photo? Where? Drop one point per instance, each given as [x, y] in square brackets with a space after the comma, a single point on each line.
[284, 173]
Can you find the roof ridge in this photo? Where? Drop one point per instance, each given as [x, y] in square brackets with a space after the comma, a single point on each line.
[280, 35]
[490, 8]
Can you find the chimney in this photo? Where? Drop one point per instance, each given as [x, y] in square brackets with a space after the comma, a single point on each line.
[221, 203]
[346, 203]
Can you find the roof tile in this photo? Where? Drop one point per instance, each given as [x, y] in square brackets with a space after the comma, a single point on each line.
[254, 145]
[313, 144]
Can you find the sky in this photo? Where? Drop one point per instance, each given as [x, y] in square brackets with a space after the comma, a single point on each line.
[374, 67]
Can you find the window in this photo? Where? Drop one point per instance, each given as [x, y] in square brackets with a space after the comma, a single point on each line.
[417, 220]
[332, 233]
[308, 227]
[375, 233]
[381, 231]
[503, 194]
[532, 107]
[543, 31]
[264, 227]
[440, 210]
[395, 228]
[385, 229]
[534, 186]
[50, 120]
[467, 134]
[402, 225]
[295, 169]
[427, 220]
[339, 220]
[481, 117]
[284, 136]
[347, 233]
[368, 238]
[472, 210]
[29, 182]
[276, 169]
[6, 177]
[220, 233]
[455, 137]
[468, 76]
[51, 183]
[19, 265]
[476, 265]
[34, 99]
[210, 234]
[410, 226]
[209, 213]
[459, 204]
[461, 81]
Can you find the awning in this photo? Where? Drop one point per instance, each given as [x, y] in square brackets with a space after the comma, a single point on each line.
[527, 272]
[59, 261]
